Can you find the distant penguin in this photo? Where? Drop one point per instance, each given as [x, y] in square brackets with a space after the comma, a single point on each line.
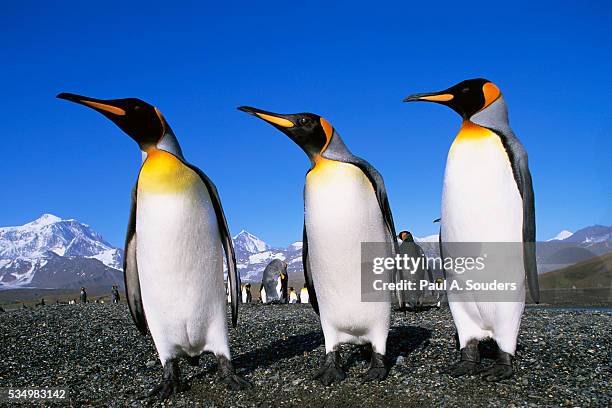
[246, 293]
[487, 197]
[115, 294]
[345, 204]
[176, 244]
[262, 294]
[416, 275]
[293, 297]
[83, 295]
[304, 298]
[272, 280]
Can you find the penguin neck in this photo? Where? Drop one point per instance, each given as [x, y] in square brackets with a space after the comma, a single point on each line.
[493, 117]
[167, 143]
[335, 150]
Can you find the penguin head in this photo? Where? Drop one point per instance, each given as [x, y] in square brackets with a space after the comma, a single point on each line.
[309, 131]
[405, 235]
[466, 98]
[142, 122]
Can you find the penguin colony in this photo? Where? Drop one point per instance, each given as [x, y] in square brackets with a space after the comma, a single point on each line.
[178, 240]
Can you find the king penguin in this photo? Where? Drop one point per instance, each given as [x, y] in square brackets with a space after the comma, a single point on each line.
[417, 274]
[487, 197]
[175, 245]
[345, 204]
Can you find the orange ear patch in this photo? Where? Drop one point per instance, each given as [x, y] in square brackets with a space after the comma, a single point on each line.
[329, 131]
[327, 128]
[491, 93]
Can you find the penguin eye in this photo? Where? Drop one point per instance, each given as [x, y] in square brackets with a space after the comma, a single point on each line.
[304, 121]
[465, 90]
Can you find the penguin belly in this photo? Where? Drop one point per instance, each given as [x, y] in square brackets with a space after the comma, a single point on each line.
[341, 212]
[481, 203]
[180, 265]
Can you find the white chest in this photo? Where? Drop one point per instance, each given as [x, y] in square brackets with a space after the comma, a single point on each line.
[480, 198]
[341, 212]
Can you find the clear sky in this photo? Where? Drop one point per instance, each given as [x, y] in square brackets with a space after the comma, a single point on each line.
[351, 63]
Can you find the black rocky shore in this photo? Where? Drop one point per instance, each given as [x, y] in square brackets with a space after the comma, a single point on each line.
[95, 350]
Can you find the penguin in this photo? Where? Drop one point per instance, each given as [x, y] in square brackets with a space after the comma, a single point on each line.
[246, 293]
[293, 297]
[345, 204]
[176, 242]
[262, 294]
[83, 295]
[274, 282]
[487, 197]
[410, 248]
[304, 298]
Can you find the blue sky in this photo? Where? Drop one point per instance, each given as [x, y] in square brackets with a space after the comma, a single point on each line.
[349, 62]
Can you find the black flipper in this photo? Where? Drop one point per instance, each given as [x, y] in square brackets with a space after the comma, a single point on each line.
[312, 296]
[520, 168]
[130, 271]
[383, 202]
[381, 194]
[226, 240]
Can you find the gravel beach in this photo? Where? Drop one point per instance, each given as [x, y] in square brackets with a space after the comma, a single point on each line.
[96, 351]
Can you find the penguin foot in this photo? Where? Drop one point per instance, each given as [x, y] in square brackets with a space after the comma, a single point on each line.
[229, 377]
[378, 368]
[500, 370]
[468, 364]
[461, 368]
[193, 361]
[171, 382]
[330, 371]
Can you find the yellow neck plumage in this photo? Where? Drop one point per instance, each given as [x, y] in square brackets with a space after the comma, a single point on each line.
[163, 172]
[471, 131]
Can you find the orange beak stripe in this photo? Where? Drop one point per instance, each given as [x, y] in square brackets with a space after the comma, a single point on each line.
[107, 108]
[276, 120]
[437, 98]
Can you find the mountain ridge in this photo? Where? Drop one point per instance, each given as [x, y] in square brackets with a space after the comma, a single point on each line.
[54, 251]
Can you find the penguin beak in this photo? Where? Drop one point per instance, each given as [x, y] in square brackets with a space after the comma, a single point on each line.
[100, 105]
[439, 97]
[276, 119]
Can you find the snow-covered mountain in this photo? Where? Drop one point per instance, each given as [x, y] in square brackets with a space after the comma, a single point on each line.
[561, 236]
[428, 238]
[51, 252]
[595, 234]
[27, 251]
[253, 254]
[247, 242]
